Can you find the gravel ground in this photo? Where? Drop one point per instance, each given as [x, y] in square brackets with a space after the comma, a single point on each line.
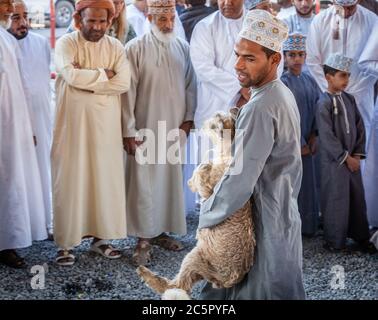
[94, 277]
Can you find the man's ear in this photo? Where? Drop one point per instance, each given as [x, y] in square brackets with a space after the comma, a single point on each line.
[276, 58]
[77, 21]
[149, 17]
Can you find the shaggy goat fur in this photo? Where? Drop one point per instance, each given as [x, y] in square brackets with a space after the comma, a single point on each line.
[224, 253]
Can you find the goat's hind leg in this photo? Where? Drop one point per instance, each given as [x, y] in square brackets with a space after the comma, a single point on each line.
[191, 271]
[152, 280]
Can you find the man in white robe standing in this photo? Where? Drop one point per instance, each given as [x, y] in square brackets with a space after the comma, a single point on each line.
[345, 28]
[212, 53]
[300, 20]
[213, 58]
[87, 154]
[369, 63]
[35, 56]
[162, 95]
[136, 15]
[286, 9]
[22, 218]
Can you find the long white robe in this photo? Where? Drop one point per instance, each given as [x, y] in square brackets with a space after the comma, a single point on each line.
[87, 150]
[353, 35]
[285, 12]
[22, 210]
[35, 56]
[369, 62]
[136, 18]
[298, 24]
[163, 88]
[212, 53]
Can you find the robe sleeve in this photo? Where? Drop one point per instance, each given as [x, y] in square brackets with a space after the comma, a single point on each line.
[317, 94]
[257, 131]
[329, 142]
[359, 149]
[190, 90]
[129, 98]
[27, 91]
[138, 24]
[2, 69]
[120, 83]
[86, 79]
[222, 83]
[369, 58]
[314, 58]
[285, 82]
[48, 52]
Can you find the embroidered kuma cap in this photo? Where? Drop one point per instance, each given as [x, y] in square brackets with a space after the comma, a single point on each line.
[250, 4]
[263, 28]
[346, 3]
[339, 62]
[161, 6]
[295, 41]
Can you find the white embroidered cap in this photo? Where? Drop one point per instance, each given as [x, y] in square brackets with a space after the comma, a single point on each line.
[339, 62]
[346, 3]
[161, 6]
[250, 4]
[263, 28]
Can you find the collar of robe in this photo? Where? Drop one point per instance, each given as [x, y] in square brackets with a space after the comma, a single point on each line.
[233, 26]
[335, 94]
[256, 91]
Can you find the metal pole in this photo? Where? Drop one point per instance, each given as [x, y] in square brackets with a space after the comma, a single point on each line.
[52, 24]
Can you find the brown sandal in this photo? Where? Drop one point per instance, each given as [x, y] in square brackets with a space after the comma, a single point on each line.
[65, 258]
[167, 242]
[11, 259]
[143, 253]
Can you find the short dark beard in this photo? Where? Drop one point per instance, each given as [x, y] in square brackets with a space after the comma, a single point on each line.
[86, 36]
[17, 36]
